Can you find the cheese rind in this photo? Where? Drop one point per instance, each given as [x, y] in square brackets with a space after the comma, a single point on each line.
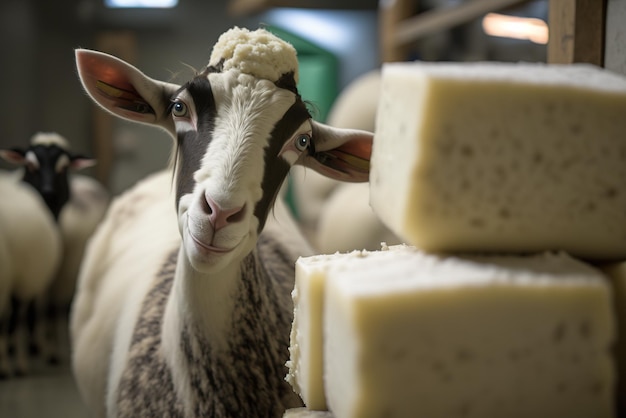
[306, 341]
[419, 335]
[617, 274]
[502, 157]
[305, 348]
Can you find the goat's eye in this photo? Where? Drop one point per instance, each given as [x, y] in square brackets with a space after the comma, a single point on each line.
[302, 142]
[179, 109]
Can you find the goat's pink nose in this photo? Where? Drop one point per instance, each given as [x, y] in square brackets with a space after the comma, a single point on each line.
[219, 217]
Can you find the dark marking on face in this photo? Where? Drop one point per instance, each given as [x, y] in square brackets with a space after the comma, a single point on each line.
[217, 68]
[53, 186]
[192, 145]
[276, 168]
[288, 82]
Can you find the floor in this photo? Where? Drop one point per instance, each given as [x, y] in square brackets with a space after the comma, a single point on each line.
[47, 392]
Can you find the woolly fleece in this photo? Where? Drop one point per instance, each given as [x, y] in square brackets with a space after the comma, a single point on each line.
[258, 53]
[49, 138]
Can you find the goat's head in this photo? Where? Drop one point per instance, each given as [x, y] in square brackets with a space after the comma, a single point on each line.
[46, 162]
[239, 126]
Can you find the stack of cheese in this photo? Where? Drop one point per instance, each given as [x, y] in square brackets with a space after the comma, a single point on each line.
[522, 163]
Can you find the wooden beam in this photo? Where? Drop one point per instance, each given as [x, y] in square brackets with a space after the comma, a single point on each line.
[577, 31]
[391, 14]
[445, 18]
[123, 45]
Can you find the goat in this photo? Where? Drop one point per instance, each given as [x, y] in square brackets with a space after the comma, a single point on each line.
[190, 316]
[30, 253]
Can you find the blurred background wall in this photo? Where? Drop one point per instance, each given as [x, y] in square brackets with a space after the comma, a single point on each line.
[41, 90]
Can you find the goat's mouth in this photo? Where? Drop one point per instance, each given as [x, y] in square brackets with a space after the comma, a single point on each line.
[205, 248]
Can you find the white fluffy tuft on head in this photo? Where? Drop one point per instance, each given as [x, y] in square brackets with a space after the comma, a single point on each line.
[259, 53]
[49, 138]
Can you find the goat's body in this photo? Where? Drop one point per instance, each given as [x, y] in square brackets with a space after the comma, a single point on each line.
[121, 365]
[243, 379]
[120, 261]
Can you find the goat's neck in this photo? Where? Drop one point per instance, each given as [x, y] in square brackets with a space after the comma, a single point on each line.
[203, 302]
[214, 325]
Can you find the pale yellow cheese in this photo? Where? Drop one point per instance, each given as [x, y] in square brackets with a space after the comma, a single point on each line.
[306, 355]
[413, 335]
[502, 157]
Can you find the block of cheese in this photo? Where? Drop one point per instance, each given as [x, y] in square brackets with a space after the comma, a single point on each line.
[306, 341]
[502, 157]
[305, 351]
[409, 335]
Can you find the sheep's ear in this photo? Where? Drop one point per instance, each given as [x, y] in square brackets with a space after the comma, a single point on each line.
[78, 162]
[341, 154]
[14, 156]
[123, 90]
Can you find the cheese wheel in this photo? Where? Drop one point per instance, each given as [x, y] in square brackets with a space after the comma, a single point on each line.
[408, 334]
[500, 157]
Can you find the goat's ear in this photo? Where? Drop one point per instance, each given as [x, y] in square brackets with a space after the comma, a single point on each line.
[341, 154]
[123, 90]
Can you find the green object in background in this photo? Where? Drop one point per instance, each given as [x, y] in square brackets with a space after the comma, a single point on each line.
[318, 83]
[319, 73]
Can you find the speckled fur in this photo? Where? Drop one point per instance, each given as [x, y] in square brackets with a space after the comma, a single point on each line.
[146, 388]
[247, 380]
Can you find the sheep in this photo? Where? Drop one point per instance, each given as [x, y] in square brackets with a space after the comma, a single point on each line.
[337, 214]
[78, 220]
[30, 252]
[347, 222]
[46, 164]
[191, 315]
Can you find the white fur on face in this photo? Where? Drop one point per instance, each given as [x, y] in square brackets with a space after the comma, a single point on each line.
[49, 138]
[232, 168]
[62, 163]
[31, 160]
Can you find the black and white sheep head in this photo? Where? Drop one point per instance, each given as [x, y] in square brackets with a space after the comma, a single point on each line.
[237, 135]
[46, 162]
